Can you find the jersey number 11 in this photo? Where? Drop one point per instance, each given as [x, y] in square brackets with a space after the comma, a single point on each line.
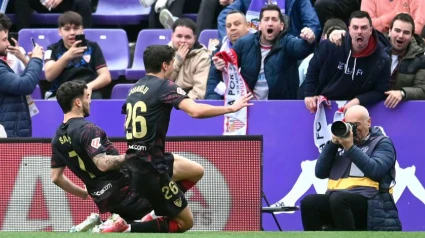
[138, 127]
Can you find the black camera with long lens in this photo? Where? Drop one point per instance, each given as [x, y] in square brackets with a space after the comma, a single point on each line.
[342, 129]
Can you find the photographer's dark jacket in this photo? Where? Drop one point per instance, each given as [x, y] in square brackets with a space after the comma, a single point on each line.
[336, 73]
[366, 169]
[14, 112]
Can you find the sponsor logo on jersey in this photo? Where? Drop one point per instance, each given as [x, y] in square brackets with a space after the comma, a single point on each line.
[103, 190]
[181, 91]
[95, 143]
[138, 147]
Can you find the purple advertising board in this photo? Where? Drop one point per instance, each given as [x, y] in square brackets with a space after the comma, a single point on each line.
[289, 150]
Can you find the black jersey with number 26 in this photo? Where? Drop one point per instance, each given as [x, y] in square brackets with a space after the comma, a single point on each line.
[148, 109]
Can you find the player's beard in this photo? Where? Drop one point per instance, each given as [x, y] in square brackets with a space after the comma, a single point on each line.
[168, 74]
[86, 111]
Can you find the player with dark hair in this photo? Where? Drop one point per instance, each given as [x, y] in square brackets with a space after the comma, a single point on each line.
[86, 150]
[162, 178]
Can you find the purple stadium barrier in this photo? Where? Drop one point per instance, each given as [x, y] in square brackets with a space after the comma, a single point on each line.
[289, 151]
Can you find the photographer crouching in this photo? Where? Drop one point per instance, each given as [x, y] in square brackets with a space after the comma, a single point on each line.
[359, 163]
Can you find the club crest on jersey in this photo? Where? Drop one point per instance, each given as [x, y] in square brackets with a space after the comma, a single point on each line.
[95, 143]
[87, 58]
[178, 202]
[181, 91]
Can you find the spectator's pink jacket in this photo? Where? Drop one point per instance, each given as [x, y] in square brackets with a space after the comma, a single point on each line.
[382, 12]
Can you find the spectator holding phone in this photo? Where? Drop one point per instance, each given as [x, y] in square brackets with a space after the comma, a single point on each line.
[74, 57]
[14, 111]
[16, 58]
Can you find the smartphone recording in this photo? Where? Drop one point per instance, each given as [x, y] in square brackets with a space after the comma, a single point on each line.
[14, 36]
[81, 38]
[33, 42]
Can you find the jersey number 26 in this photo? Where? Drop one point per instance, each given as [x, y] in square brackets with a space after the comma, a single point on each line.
[138, 123]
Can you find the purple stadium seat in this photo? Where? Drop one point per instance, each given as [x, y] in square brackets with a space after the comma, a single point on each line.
[206, 35]
[144, 39]
[109, 12]
[43, 37]
[36, 94]
[120, 91]
[192, 16]
[120, 12]
[40, 18]
[45, 18]
[114, 45]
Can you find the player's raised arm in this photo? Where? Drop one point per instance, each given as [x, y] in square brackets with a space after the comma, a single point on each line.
[201, 110]
[159, 64]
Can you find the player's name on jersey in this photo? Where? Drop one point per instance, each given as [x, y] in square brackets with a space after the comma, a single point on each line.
[139, 89]
[65, 139]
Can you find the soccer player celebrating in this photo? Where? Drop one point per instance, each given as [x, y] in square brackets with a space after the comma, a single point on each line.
[160, 177]
[86, 150]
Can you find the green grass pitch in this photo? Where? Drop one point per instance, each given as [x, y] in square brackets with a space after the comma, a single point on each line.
[219, 235]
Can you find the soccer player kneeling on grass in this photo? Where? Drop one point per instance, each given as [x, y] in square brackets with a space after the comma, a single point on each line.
[163, 178]
[86, 150]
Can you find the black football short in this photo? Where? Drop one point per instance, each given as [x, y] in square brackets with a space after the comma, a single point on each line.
[133, 207]
[164, 195]
[125, 201]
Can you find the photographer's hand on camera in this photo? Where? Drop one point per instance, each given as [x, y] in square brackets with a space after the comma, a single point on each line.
[75, 51]
[346, 142]
[335, 140]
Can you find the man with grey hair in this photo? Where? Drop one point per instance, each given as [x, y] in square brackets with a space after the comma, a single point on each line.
[360, 171]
